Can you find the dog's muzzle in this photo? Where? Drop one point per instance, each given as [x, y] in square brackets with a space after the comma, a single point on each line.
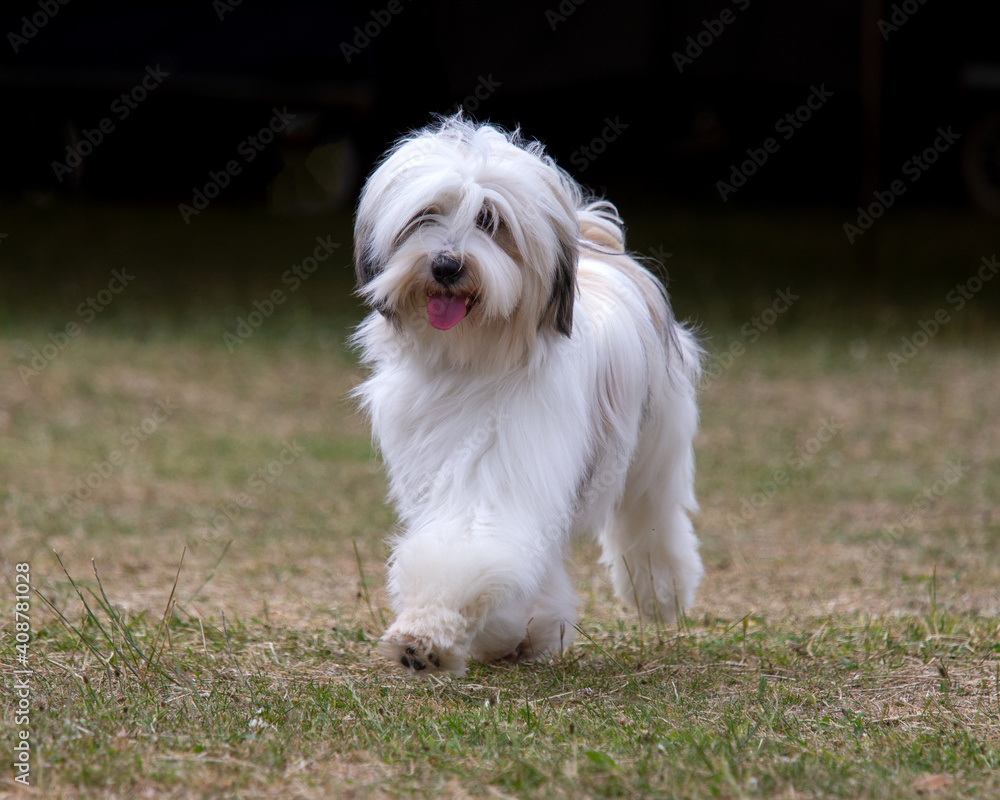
[449, 306]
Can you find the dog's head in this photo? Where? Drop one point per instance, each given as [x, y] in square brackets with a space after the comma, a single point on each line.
[468, 234]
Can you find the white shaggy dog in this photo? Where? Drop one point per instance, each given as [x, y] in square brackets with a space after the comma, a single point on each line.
[528, 382]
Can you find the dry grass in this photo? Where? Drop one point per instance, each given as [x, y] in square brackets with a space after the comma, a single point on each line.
[808, 669]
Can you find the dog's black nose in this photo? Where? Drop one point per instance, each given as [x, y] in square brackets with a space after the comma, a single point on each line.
[446, 269]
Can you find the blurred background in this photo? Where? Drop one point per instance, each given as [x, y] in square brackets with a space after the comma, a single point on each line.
[750, 145]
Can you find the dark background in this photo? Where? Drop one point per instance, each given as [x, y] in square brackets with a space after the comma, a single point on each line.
[560, 70]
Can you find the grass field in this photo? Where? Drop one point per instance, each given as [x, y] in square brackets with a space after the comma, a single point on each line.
[203, 524]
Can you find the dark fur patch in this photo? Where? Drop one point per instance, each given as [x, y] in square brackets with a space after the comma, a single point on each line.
[365, 266]
[559, 310]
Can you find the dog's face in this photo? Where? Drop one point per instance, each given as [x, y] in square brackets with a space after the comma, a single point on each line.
[466, 235]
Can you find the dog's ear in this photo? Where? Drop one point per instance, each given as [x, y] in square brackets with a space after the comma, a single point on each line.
[365, 266]
[559, 311]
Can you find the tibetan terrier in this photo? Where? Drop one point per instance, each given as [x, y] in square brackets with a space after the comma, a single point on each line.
[528, 382]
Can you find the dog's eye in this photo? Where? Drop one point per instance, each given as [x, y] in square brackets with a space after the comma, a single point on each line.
[487, 220]
[425, 216]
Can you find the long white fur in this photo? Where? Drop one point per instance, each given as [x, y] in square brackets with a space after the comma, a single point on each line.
[503, 437]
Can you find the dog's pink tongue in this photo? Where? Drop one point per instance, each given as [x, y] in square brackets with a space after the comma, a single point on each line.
[445, 311]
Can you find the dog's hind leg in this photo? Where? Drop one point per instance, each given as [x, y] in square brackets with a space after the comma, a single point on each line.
[650, 547]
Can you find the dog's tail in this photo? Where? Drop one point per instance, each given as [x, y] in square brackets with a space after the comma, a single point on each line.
[601, 226]
[602, 233]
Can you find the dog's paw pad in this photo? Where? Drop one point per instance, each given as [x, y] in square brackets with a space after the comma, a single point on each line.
[411, 659]
[427, 642]
[420, 656]
[415, 656]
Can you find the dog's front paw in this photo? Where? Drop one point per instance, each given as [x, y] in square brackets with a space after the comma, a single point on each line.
[415, 655]
[424, 645]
